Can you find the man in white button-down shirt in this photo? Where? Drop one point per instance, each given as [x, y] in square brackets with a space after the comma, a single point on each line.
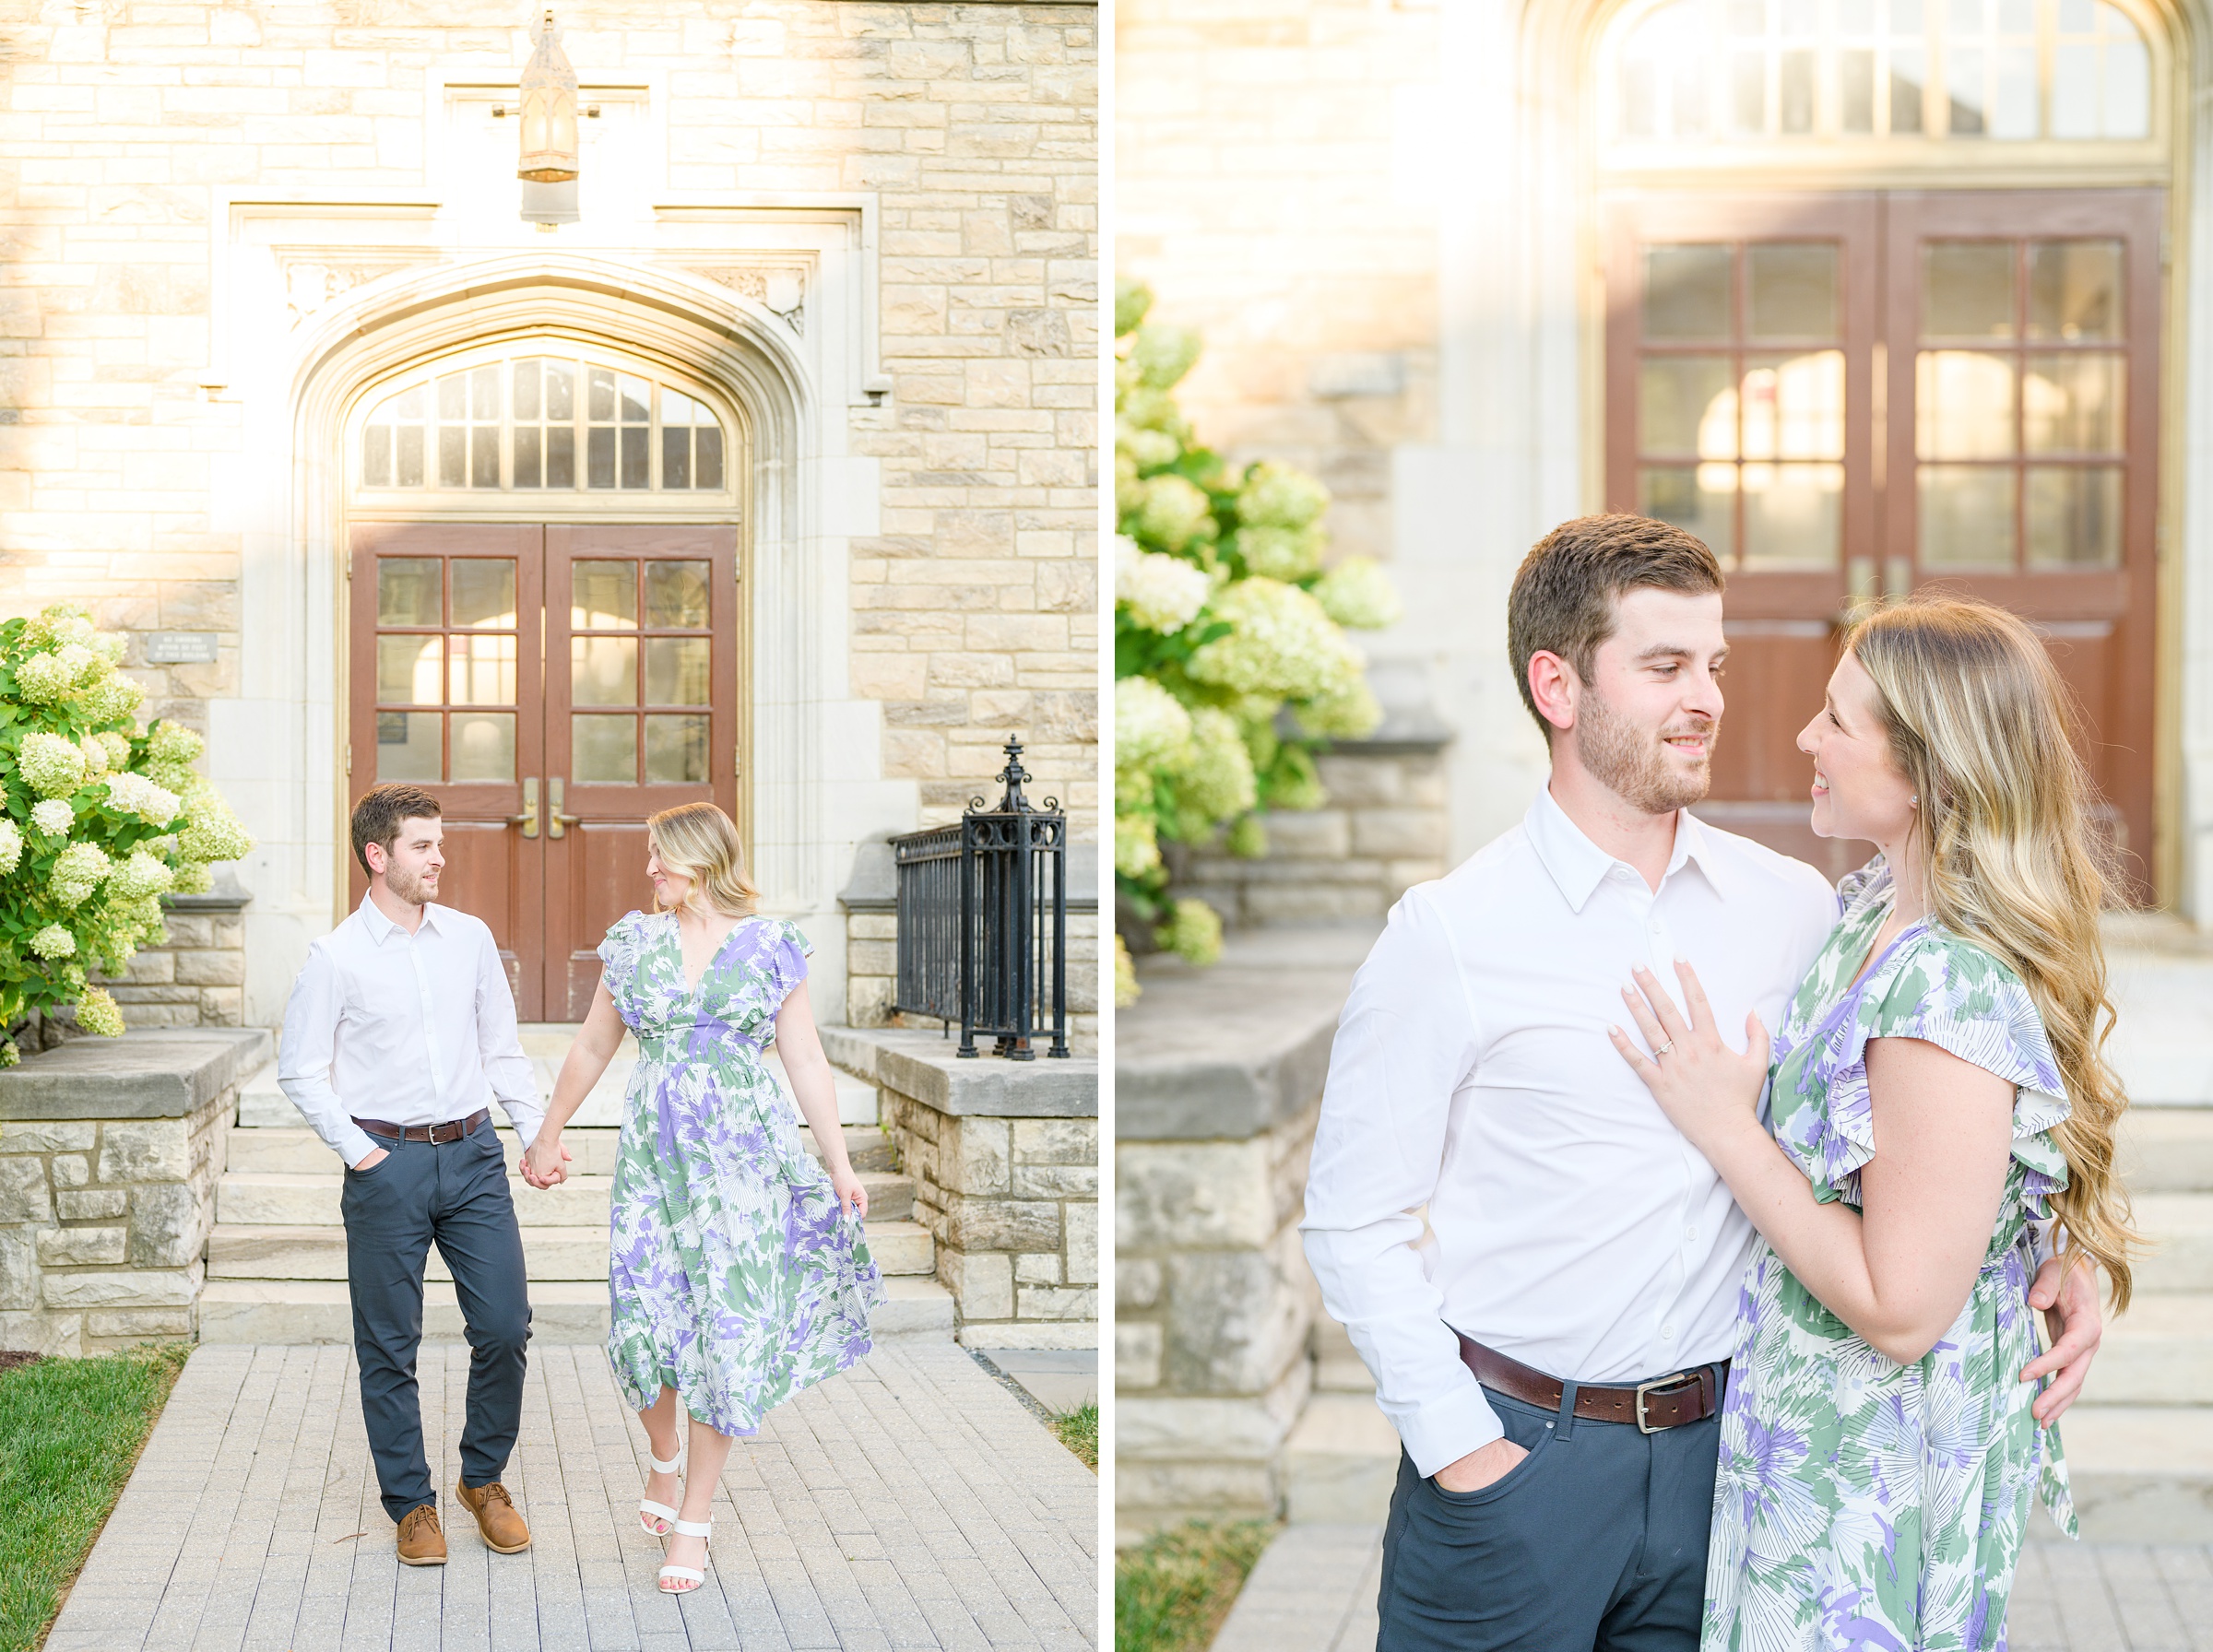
[1538, 1269]
[400, 1034]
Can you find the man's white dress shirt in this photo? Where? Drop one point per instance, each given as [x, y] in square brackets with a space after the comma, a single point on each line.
[1569, 1225]
[412, 1029]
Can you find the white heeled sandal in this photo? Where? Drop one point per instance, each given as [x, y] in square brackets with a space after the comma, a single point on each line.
[648, 1510]
[693, 1574]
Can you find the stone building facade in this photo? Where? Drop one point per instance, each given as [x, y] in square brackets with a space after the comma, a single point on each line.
[860, 238]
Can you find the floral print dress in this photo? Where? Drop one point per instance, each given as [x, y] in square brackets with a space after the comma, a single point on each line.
[735, 1278]
[1861, 1502]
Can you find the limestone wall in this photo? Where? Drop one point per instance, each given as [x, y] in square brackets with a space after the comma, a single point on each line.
[197, 978]
[1218, 1077]
[1383, 830]
[110, 1151]
[1004, 1157]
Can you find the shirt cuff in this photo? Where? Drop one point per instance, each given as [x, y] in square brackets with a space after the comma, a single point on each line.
[354, 1144]
[1442, 1432]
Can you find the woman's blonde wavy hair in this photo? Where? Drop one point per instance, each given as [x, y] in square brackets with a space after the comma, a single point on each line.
[698, 840]
[1980, 722]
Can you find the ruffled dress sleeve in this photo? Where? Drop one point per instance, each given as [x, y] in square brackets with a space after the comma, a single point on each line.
[1961, 998]
[789, 956]
[619, 964]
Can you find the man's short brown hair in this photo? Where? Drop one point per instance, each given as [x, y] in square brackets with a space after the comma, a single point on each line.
[377, 816]
[1565, 591]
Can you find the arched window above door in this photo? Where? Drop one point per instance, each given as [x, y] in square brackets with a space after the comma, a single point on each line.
[1723, 72]
[542, 423]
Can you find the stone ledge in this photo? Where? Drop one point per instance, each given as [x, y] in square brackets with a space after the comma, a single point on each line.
[146, 1074]
[1236, 1048]
[923, 1064]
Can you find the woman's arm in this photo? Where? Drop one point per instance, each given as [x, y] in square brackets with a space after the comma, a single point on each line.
[593, 1048]
[1898, 1271]
[816, 1092]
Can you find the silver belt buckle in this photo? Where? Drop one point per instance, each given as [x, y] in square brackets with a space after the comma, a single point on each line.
[1665, 1382]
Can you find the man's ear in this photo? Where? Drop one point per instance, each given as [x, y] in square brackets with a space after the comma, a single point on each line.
[378, 860]
[1554, 685]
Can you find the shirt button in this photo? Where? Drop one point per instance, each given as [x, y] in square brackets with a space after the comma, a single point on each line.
[1667, 1333]
[1690, 1235]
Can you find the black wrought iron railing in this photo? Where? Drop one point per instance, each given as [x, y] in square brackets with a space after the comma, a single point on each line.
[983, 921]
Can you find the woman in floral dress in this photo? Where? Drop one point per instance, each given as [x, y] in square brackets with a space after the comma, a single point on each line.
[1935, 1090]
[739, 1275]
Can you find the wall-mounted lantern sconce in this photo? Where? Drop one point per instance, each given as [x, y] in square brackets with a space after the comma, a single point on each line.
[549, 112]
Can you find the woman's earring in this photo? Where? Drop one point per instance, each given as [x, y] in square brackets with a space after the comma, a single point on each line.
[1914, 801]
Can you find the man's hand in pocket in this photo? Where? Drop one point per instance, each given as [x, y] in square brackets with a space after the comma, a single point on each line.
[377, 1156]
[1482, 1467]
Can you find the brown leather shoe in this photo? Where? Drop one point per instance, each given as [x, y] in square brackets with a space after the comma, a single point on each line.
[421, 1543]
[503, 1529]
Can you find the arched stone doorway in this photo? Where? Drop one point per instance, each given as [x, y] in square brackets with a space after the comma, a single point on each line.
[1885, 296]
[555, 512]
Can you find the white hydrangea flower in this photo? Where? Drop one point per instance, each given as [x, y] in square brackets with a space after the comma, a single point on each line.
[136, 795]
[118, 747]
[140, 877]
[1344, 714]
[1151, 726]
[98, 1013]
[11, 846]
[78, 872]
[60, 624]
[1161, 593]
[41, 679]
[1174, 510]
[113, 698]
[174, 743]
[53, 941]
[1285, 553]
[1161, 354]
[53, 817]
[52, 763]
[1217, 781]
[1136, 846]
[1281, 644]
[1359, 596]
[1280, 495]
[84, 665]
[211, 831]
[95, 756]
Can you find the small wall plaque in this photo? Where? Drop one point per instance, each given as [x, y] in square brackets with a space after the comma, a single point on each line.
[180, 647]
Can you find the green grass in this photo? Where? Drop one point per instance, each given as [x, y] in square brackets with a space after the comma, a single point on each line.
[1079, 1431]
[70, 1431]
[1172, 1594]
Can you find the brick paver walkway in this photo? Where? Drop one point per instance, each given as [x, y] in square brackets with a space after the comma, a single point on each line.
[1314, 1591]
[910, 1503]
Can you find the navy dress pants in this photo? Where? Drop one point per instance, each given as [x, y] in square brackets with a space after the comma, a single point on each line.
[1594, 1542]
[452, 1194]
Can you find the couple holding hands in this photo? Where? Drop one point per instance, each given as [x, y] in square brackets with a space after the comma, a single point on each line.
[737, 1274]
[1695, 1344]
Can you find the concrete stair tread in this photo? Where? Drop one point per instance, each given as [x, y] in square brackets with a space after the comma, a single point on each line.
[306, 1311]
[2170, 1441]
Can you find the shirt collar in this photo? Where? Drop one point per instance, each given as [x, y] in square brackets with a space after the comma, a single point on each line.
[381, 928]
[1579, 866]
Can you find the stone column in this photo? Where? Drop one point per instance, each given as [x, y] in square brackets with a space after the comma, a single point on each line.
[110, 1151]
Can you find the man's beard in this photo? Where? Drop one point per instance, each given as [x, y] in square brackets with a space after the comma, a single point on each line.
[409, 887]
[1632, 764]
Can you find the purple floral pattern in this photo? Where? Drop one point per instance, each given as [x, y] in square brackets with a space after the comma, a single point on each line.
[1861, 1502]
[735, 1278]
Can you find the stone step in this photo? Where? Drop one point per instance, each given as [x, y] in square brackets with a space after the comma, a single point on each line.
[1341, 1461]
[1337, 1368]
[2157, 1353]
[297, 1311]
[304, 1252]
[290, 1145]
[292, 1199]
[2166, 1150]
[2180, 1226]
[262, 1102]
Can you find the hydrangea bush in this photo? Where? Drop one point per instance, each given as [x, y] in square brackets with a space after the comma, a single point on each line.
[98, 819]
[1224, 619]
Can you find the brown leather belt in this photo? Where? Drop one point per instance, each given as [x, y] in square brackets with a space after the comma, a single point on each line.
[453, 1129]
[1668, 1402]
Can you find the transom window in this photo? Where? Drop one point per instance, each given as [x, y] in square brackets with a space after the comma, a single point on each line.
[1720, 71]
[542, 423]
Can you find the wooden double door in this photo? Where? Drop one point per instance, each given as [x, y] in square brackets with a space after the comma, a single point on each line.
[1855, 397]
[554, 686]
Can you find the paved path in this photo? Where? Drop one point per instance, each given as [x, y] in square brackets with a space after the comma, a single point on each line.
[1314, 1591]
[910, 1503]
